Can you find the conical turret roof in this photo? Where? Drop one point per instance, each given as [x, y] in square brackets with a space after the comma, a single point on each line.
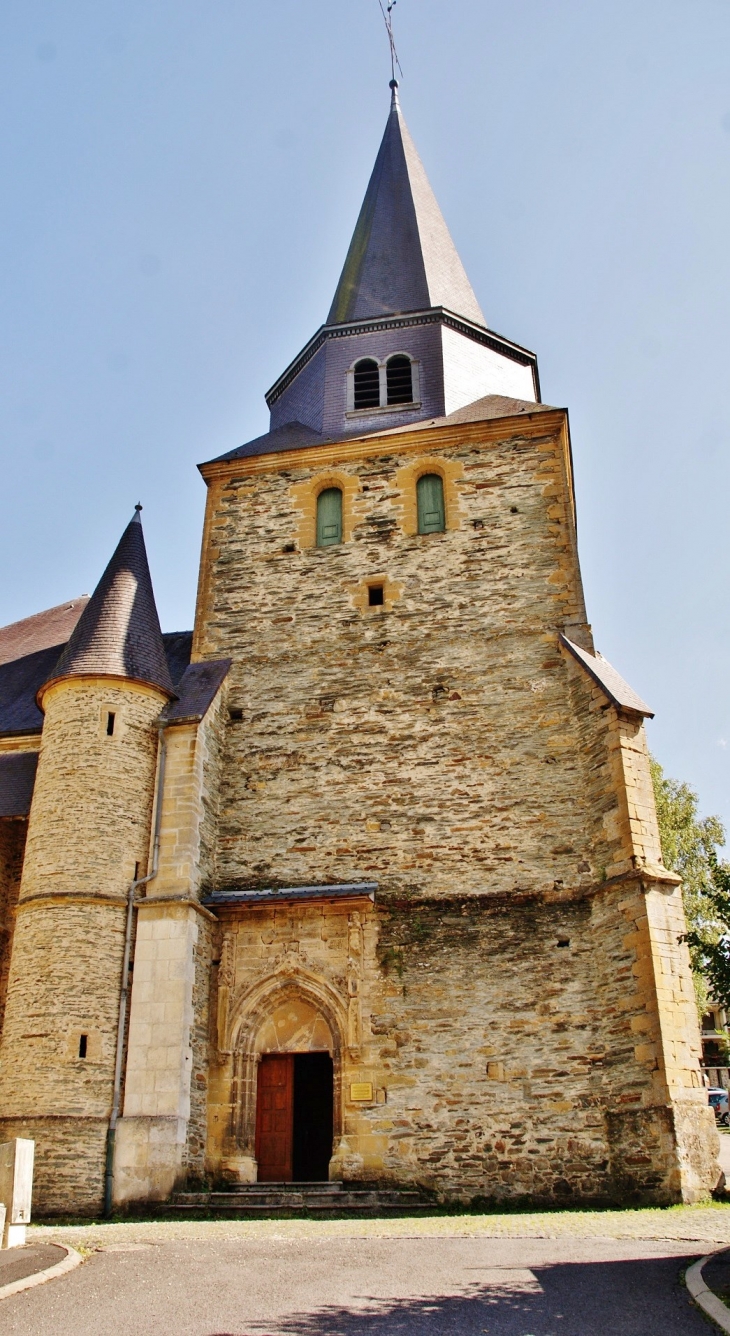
[401, 256]
[118, 633]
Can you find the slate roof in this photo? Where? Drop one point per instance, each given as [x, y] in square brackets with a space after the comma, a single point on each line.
[17, 777]
[43, 629]
[19, 682]
[296, 436]
[401, 256]
[292, 436]
[611, 683]
[21, 679]
[196, 691]
[342, 890]
[118, 633]
[178, 647]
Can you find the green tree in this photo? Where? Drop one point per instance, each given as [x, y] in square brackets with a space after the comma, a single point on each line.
[689, 848]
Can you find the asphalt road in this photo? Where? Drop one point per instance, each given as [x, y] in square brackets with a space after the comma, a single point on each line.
[367, 1287]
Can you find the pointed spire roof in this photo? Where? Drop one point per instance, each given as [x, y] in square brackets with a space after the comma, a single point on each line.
[118, 633]
[401, 256]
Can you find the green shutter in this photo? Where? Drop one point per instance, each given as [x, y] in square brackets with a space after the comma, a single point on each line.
[329, 517]
[430, 497]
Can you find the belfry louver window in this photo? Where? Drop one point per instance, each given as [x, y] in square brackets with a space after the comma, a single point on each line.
[367, 384]
[399, 374]
[376, 386]
[329, 517]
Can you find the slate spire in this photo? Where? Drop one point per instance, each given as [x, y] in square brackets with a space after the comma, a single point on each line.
[401, 256]
[118, 633]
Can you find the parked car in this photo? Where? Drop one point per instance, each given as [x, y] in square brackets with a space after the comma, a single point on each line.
[719, 1101]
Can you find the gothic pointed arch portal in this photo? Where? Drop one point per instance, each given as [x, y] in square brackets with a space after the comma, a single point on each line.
[287, 1030]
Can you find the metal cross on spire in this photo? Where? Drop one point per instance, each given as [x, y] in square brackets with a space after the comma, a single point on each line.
[387, 12]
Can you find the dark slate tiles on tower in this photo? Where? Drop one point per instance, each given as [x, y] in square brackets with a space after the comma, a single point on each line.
[118, 634]
[401, 257]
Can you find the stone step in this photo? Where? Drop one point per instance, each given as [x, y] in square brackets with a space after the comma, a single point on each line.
[250, 1210]
[286, 1199]
[320, 1185]
[315, 1203]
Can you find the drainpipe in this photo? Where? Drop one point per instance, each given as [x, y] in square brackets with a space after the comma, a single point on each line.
[124, 994]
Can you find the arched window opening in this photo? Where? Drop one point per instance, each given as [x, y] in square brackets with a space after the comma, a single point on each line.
[329, 517]
[430, 498]
[367, 384]
[399, 372]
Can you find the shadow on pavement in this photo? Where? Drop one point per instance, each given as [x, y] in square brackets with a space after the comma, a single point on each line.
[627, 1298]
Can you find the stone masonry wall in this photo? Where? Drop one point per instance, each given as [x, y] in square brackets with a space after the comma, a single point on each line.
[64, 982]
[12, 847]
[504, 1039]
[491, 1028]
[212, 734]
[194, 1160]
[68, 1172]
[90, 819]
[431, 744]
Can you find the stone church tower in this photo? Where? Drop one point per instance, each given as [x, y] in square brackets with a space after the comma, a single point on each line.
[384, 835]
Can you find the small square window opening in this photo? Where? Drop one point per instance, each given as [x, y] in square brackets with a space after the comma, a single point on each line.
[376, 596]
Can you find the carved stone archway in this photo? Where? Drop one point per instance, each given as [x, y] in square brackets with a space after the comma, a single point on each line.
[298, 1013]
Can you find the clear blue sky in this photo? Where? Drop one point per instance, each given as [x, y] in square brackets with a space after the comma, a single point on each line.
[180, 182]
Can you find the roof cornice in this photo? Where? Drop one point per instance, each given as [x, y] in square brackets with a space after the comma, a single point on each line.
[417, 436]
[118, 679]
[407, 319]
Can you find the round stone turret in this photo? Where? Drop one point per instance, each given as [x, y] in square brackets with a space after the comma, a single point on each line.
[88, 839]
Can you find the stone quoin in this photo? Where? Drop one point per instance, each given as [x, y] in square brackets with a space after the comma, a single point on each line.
[377, 839]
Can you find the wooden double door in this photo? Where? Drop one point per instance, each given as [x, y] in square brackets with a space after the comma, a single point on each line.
[294, 1105]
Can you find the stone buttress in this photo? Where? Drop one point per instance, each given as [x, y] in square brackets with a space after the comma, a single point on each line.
[161, 1138]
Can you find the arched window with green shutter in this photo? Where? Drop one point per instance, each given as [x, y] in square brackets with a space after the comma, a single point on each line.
[329, 517]
[430, 498]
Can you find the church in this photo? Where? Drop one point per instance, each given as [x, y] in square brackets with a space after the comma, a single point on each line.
[359, 881]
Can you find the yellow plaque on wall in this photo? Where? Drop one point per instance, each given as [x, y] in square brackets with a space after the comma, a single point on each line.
[361, 1090]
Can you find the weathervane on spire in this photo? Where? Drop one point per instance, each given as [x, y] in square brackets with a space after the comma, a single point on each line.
[387, 12]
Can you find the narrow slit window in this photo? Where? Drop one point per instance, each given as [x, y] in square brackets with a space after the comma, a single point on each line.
[110, 724]
[430, 498]
[329, 517]
[399, 374]
[376, 596]
[83, 1045]
[367, 383]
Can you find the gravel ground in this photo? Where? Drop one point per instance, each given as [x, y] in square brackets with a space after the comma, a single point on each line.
[707, 1224]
